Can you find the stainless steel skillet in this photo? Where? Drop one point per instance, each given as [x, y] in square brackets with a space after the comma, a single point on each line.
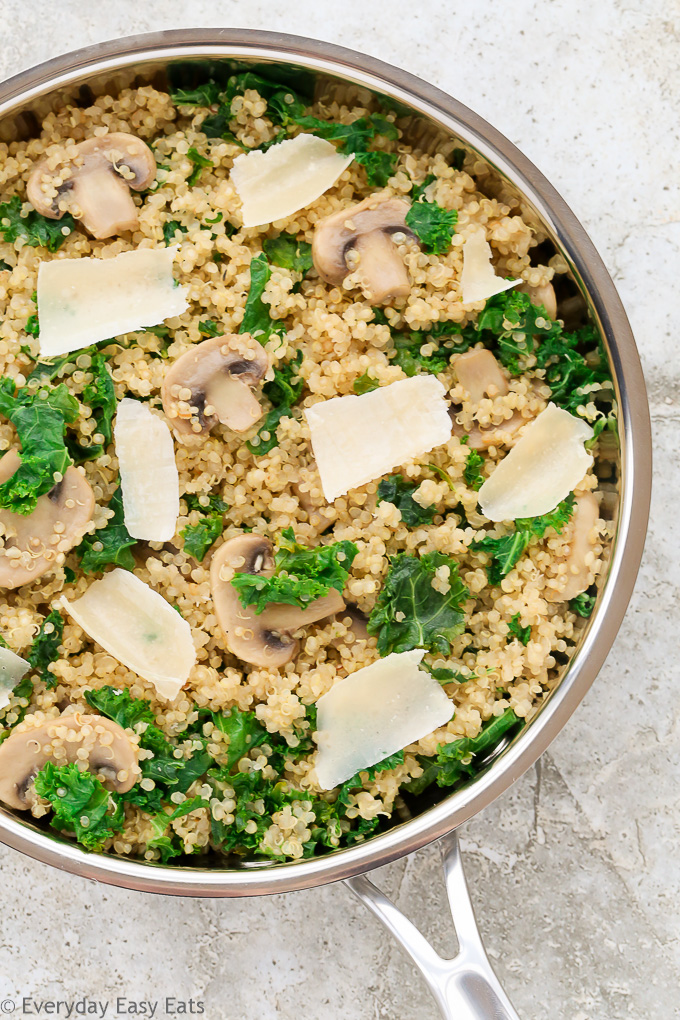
[465, 988]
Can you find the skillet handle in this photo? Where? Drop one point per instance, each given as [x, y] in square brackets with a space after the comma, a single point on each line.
[465, 987]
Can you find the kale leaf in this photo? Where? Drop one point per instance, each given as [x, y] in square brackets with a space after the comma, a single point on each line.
[36, 230]
[199, 537]
[289, 253]
[80, 804]
[120, 706]
[583, 604]
[45, 647]
[40, 418]
[379, 166]
[244, 731]
[357, 780]
[284, 390]
[100, 397]
[199, 163]
[516, 629]
[257, 318]
[110, 544]
[410, 613]
[439, 341]
[171, 229]
[300, 575]
[506, 551]
[399, 492]
[365, 384]
[433, 225]
[471, 472]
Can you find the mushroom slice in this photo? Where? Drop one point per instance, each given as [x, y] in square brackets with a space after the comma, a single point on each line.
[97, 190]
[213, 383]
[543, 295]
[109, 753]
[582, 536]
[361, 239]
[480, 374]
[264, 639]
[33, 544]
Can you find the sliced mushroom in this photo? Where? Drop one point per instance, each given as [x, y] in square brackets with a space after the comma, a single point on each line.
[481, 375]
[110, 754]
[264, 639]
[34, 543]
[361, 239]
[97, 188]
[582, 538]
[213, 383]
[542, 295]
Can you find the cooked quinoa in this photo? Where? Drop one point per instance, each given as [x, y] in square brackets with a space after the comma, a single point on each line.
[514, 642]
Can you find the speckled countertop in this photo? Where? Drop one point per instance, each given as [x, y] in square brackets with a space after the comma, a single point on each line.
[575, 872]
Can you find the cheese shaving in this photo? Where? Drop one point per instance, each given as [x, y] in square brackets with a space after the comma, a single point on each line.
[83, 301]
[273, 185]
[12, 669]
[478, 280]
[148, 472]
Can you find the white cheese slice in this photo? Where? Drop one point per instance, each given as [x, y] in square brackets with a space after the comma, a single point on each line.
[478, 280]
[545, 464]
[12, 669]
[148, 472]
[138, 627]
[83, 301]
[286, 178]
[357, 439]
[375, 712]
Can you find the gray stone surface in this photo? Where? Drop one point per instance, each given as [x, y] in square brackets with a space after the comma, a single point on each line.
[575, 872]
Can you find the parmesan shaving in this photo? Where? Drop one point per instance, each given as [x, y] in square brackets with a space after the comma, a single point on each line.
[148, 472]
[543, 467]
[12, 669]
[478, 280]
[357, 439]
[286, 178]
[375, 712]
[138, 627]
[83, 301]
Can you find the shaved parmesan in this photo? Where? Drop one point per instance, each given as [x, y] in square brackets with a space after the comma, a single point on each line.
[83, 301]
[357, 439]
[478, 280]
[547, 462]
[375, 712]
[286, 178]
[12, 669]
[148, 472]
[138, 627]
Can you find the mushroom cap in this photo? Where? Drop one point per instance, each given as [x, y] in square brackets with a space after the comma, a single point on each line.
[111, 754]
[542, 295]
[219, 374]
[581, 536]
[480, 374]
[365, 230]
[97, 192]
[263, 639]
[57, 524]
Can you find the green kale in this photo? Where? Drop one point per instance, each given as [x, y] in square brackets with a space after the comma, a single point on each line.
[257, 318]
[472, 473]
[171, 229]
[206, 94]
[289, 253]
[583, 604]
[300, 575]
[397, 491]
[440, 341]
[45, 647]
[448, 676]
[575, 369]
[244, 731]
[4, 265]
[100, 397]
[199, 163]
[210, 328]
[213, 505]
[110, 544]
[433, 225]
[32, 326]
[365, 384]
[40, 418]
[164, 839]
[36, 230]
[410, 613]
[120, 706]
[353, 137]
[463, 758]
[46, 372]
[516, 629]
[80, 804]
[199, 537]
[379, 166]
[283, 391]
[506, 551]
[391, 762]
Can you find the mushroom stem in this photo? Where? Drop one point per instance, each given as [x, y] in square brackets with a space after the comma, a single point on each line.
[382, 271]
[103, 203]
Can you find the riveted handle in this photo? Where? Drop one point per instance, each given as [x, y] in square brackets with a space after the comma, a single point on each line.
[465, 987]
